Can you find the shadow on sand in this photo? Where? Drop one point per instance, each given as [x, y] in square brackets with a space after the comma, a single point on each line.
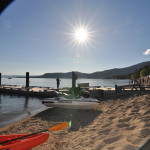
[79, 118]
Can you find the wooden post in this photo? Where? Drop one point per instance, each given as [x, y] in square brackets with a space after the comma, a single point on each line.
[27, 79]
[0, 78]
[116, 89]
[74, 78]
[73, 81]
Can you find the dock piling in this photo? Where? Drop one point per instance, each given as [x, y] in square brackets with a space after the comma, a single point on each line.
[0, 78]
[74, 78]
[27, 79]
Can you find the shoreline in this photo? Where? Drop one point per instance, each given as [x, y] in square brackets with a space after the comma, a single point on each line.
[121, 122]
[21, 117]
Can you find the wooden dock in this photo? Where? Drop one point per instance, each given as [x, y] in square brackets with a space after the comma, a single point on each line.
[131, 88]
[29, 91]
[95, 92]
[46, 92]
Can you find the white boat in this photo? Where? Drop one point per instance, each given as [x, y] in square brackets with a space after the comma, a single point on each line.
[61, 102]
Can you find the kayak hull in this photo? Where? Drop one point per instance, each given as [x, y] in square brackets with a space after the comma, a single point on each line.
[72, 104]
[23, 144]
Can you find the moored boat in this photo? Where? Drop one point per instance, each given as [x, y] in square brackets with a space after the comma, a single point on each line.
[81, 103]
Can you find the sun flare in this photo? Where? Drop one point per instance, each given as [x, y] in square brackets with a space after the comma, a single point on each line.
[81, 34]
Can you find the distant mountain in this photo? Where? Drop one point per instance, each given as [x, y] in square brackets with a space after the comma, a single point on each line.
[119, 71]
[62, 75]
[13, 76]
[97, 75]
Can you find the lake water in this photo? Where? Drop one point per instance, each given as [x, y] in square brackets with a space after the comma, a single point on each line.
[51, 82]
[14, 108]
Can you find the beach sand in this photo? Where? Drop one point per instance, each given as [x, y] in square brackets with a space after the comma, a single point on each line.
[120, 124]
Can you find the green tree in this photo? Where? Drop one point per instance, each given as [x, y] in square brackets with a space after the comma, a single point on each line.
[143, 72]
[132, 76]
[136, 74]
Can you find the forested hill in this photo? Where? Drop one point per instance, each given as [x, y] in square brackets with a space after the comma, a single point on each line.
[112, 73]
[144, 71]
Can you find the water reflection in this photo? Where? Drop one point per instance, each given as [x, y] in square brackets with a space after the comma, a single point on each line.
[13, 108]
[26, 102]
[0, 101]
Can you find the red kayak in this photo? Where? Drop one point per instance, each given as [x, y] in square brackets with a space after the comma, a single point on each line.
[25, 143]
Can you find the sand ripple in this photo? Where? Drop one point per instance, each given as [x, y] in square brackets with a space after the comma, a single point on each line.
[121, 124]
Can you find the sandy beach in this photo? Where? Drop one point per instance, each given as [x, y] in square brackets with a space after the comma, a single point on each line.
[118, 124]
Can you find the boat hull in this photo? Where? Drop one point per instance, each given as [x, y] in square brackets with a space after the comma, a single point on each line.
[73, 104]
[22, 144]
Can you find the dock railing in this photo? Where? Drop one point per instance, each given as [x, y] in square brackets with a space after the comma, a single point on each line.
[131, 88]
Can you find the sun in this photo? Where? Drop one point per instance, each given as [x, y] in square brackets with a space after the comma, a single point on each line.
[81, 34]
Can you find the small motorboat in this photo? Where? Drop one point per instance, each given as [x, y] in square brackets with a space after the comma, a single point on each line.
[61, 102]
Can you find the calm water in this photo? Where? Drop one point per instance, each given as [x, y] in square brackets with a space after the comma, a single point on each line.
[64, 82]
[14, 108]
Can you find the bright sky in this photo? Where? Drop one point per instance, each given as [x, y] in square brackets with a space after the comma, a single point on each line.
[41, 36]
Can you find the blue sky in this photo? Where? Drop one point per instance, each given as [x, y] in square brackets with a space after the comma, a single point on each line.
[36, 35]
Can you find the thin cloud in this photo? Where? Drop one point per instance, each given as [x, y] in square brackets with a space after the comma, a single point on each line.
[147, 52]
